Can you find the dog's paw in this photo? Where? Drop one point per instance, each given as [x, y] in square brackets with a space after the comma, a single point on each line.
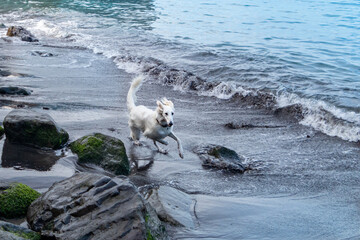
[137, 143]
[181, 154]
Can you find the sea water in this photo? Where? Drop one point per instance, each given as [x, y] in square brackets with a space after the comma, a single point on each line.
[303, 53]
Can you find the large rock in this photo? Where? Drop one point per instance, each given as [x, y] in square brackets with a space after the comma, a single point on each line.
[171, 205]
[14, 91]
[92, 206]
[105, 151]
[34, 129]
[9, 231]
[216, 156]
[18, 31]
[15, 200]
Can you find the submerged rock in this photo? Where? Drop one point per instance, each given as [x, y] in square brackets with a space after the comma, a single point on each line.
[92, 206]
[18, 31]
[171, 205]
[105, 151]
[9, 231]
[14, 91]
[15, 200]
[216, 156]
[34, 129]
[42, 54]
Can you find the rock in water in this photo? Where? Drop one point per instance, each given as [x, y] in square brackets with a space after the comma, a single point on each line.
[171, 205]
[92, 206]
[18, 31]
[34, 129]
[216, 156]
[9, 231]
[14, 91]
[105, 151]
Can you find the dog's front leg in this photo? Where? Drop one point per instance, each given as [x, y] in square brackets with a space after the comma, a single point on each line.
[163, 151]
[181, 151]
[162, 141]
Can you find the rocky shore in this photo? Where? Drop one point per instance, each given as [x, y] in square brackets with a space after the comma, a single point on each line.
[246, 172]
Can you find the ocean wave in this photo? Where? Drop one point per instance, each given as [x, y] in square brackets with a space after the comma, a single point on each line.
[317, 114]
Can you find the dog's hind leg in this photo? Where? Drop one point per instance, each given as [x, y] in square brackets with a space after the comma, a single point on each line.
[135, 135]
[160, 150]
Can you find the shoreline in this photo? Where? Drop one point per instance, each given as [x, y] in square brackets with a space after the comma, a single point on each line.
[294, 167]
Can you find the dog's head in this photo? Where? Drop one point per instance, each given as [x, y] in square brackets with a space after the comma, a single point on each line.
[165, 110]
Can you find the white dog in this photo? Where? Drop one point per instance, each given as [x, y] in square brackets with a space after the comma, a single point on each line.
[155, 125]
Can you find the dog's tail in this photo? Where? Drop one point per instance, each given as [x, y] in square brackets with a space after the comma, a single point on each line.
[131, 98]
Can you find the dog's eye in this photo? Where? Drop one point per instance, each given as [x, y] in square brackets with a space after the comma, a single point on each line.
[166, 114]
[172, 113]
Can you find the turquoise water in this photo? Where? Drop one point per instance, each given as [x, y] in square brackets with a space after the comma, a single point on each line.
[302, 52]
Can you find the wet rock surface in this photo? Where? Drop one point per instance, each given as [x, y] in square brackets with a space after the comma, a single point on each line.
[105, 151]
[14, 91]
[34, 129]
[219, 157]
[92, 206]
[171, 205]
[22, 33]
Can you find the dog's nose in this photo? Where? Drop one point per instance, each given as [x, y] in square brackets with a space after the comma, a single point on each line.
[171, 123]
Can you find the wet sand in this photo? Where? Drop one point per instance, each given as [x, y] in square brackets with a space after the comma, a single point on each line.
[303, 184]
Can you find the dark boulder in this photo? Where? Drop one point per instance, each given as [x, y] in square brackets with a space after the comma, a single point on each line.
[18, 31]
[14, 91]
[104, 151]
[216, 156]
[34, 129]
[92, 206]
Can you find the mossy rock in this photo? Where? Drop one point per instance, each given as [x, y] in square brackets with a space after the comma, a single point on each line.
[11, 231]
[104, 151]
[220, 157]
[15, 200]
[34, 129]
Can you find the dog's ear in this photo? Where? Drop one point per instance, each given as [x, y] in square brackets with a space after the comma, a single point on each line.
[160, 106]
[167, 102]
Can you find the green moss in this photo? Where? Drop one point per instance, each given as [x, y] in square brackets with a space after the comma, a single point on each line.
[15, 200]
[88, 149]
[25, 235]
[219, 152]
